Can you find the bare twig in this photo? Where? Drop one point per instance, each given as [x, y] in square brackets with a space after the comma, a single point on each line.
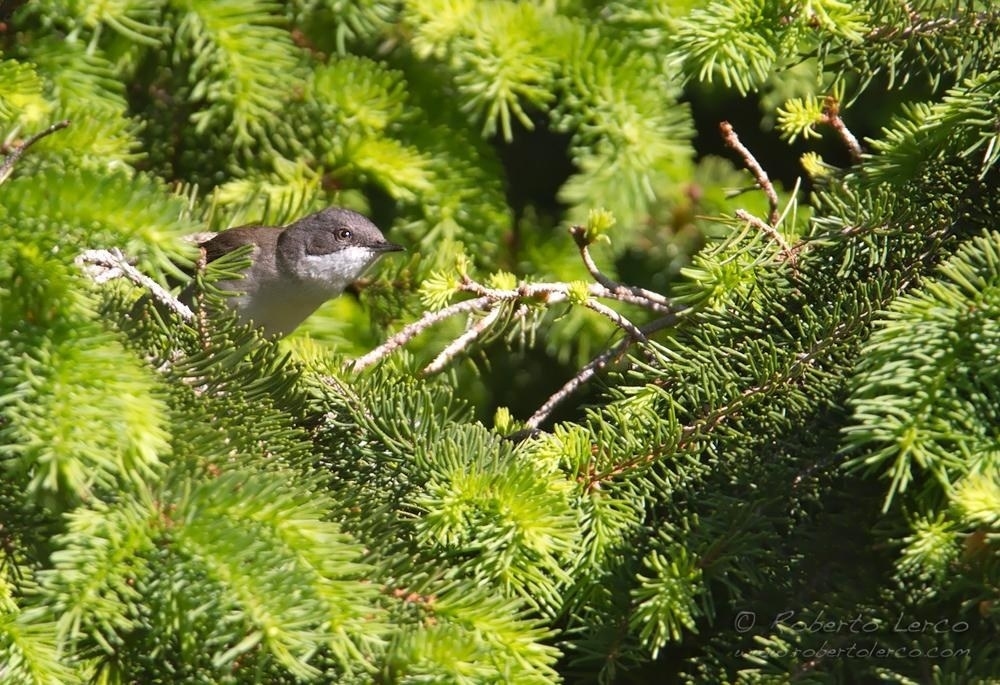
[615, 290]
[523, 290]
[416, 328]
[558, 292]
[616, 318]
[592, 367]
[578, 234]
[733, 141]
[7, 166]
[624, 295]
[461, 342]
[105, 265]
[523, 295]
[491, 299]
[769, 230]
[831, 116]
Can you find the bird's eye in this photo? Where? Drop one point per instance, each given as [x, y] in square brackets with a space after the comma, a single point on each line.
[344, 234]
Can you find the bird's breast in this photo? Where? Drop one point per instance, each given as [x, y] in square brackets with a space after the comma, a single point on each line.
[278, 308]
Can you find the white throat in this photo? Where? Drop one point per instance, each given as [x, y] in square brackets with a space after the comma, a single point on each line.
[331, 273]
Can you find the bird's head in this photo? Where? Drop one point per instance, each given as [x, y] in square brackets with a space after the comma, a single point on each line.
[332, 247]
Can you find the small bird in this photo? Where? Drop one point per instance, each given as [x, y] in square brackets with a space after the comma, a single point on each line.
[297, 268]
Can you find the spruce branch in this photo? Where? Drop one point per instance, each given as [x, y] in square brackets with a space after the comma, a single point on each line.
[763, 181]
[921, 27]
[18, 150]
[831, 116]
[626, 293]
[202, 318]
[596, 364]
[524, 294]
[552, 293]
[799, 365]
[604, 310]
[105, 265]
[414, 329]
[472, 333]
[490, 299]
[801, 116]
[786, 250]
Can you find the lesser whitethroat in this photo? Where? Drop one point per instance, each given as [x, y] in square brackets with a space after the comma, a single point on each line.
[298, 267]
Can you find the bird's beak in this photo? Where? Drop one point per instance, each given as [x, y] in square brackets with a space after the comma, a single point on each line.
[388, 247]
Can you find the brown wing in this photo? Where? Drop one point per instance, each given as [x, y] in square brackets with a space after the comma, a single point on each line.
[229, 240]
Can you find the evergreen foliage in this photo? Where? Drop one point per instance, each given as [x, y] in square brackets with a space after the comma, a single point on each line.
[794, 474]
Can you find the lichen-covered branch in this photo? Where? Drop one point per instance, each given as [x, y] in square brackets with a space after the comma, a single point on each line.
[522, 296]
[105, 265]
[416, 328]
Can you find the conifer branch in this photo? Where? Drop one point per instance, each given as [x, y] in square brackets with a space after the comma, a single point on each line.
[471, 334]
[593, 366]
[921, 27]
[550, 293]
[202, 318]
[7, 166]
[771, 232]
[831, 116]
[763, 181]
[416, 328]
[758, 432]
[490, 298]
[105, 265]
[615, 318]
[737, 404]
[626, 293]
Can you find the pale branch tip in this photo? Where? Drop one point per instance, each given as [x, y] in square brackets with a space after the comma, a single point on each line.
[105, 265]
[579, 234]
[763, 181]
[18, 150]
